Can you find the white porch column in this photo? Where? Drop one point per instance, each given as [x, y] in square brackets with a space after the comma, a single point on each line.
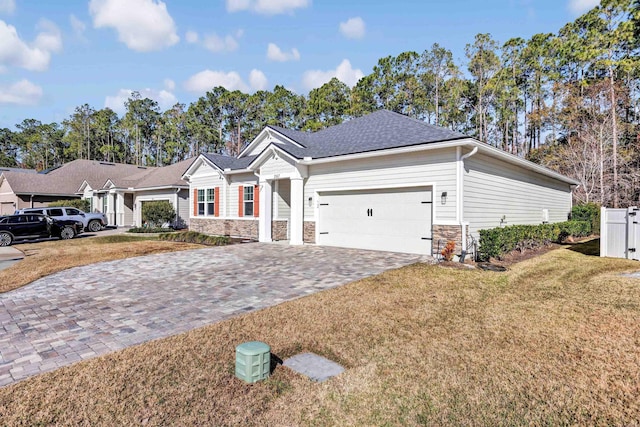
[296, 224]
[264, 221]
[119, 210]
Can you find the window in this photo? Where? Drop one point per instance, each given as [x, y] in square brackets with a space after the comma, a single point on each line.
[206, 201]
[200, 202]
[71, 211]
[248, 201]
[56, 212]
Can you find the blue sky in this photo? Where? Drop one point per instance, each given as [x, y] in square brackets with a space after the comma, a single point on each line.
[55, 56]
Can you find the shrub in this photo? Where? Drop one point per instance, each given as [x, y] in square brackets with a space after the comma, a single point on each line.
[157, 213]
[149, 230]
[589, 212]
[195, 237]
[497, 242]
[82, 204]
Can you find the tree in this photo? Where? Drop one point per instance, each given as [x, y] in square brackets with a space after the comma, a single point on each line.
[140, 123]
[107, 136]
[327, 105]
[8, 149]
[437, 66]
[172, 137]
[484, 64]
[204, 123]
[283, 108]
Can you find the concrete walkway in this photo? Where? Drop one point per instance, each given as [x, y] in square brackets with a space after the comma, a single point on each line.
[92, 310]
[9, 256]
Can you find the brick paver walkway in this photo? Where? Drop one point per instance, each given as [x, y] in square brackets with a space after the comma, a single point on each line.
[92, 310]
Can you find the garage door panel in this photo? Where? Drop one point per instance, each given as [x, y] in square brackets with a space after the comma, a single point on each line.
[396, 220]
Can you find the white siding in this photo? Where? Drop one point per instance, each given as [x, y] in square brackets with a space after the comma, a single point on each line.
[276, 165]
[232, 195]
[493, 189]
[128, 209]
[282, 199]
[8, 200]
[184, 207]
[436, 167]
[261, 146]
[207, 176]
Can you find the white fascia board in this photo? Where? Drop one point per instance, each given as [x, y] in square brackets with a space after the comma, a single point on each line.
[162, 187]
[47, 194]
[196, 164]
[83, 186]
[271, 149]
[267, 132]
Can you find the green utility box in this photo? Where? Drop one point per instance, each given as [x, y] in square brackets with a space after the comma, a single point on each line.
[253, 361]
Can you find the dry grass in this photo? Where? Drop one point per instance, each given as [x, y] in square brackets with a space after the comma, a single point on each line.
[553, 341]
[44, 258]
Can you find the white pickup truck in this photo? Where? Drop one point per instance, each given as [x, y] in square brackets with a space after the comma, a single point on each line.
[92, 221]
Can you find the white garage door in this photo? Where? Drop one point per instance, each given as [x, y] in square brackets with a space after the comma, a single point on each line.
[396, 220]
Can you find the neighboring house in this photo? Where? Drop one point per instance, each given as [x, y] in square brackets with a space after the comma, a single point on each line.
[8, 205]
[383, 181]
[118, 190]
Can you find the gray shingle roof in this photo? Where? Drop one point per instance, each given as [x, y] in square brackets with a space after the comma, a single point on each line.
[229, 162]
[377, 131]
[166, 176]
[68, 178]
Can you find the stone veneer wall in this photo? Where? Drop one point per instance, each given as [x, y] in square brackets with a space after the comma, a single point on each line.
[245, 228]
[248, 229]
[309, 232]
[279, 230]
[444, 233]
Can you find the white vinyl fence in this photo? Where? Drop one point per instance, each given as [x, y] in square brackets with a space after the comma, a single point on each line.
[620, 233]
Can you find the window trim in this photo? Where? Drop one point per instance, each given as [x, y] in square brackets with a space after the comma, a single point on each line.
[246, 202]
[206, 202]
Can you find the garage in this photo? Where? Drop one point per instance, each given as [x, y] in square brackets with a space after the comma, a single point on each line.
[390, 219]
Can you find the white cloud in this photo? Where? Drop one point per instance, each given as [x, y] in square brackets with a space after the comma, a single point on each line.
[267, 7]
[216, 44]
[7, 6]
[142, 25]
[21, 93]
[49, 38]
[258, 80]
[33, 56]
[353, 28]
[344, 72]
[169, 84]
[191, 37]
[164, 98]
[275, 54]
[581, 6]
[78, 27]
[208, 79]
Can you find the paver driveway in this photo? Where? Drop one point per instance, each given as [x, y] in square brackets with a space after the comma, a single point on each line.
[88, 311]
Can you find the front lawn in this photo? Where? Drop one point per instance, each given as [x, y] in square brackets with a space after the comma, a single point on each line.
[553, 341]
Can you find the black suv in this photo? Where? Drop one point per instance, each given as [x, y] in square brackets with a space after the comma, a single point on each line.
[33, 226]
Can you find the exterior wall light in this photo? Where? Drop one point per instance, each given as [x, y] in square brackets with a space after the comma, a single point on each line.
[443, 198]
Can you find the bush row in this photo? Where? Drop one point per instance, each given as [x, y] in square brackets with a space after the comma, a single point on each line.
[497, 242]
[149, 230]
[195, 237]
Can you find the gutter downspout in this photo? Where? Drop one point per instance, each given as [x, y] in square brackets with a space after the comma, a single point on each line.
[459, 192]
